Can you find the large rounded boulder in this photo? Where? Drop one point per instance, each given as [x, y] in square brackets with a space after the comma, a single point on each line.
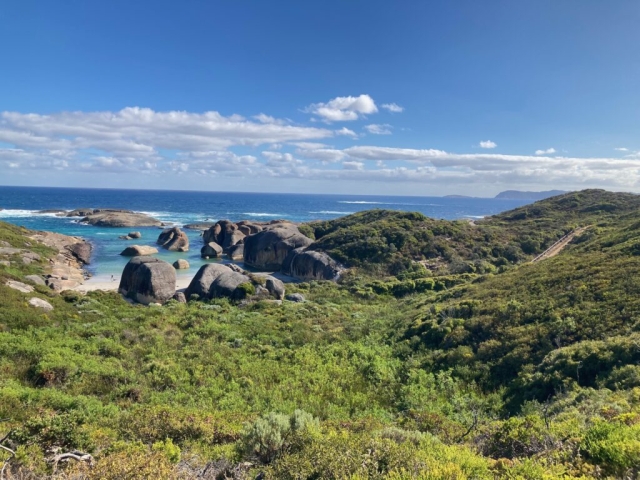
[268, 249]
[310, 265]
[174, 239]
[81, 251]
[201, 283]
[148, 280]
[233, 285]
[138, 250]
[225, 233]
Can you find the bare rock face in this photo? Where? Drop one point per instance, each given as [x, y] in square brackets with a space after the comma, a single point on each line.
[39, 303]
[225, 233]
[119, 218]
[202, 226]
[82, 251]
[201, 283]
[35, 279]
[148, 280]
[180, 297]
[138, 250]
[275, 288]
[310, 265]
[229, 285]
[236, 252]
[267, 250]
[174, 239]
[181, 264]
[21, 287]
[211, 250]
[295, 297]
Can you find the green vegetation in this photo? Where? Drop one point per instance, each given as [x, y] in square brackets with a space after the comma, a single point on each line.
[442, 355]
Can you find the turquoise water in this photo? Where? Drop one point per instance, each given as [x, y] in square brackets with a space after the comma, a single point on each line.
[20, 206]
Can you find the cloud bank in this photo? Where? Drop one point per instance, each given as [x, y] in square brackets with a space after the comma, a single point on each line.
[140, 141]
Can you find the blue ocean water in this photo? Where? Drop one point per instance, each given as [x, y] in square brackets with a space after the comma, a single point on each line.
[20, 206]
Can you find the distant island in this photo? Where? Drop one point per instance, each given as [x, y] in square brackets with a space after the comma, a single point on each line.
[519, 195]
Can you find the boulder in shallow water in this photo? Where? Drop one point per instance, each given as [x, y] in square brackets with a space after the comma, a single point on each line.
[148, 280]
[211, 250]
[120, 218]
[181, 264]
[268, 249]
[138, 250]
[201, 283]
[134, 235]
[236, 252]
[174, 239]
[310, 265]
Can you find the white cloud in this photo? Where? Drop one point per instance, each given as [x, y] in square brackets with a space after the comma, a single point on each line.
[346, 132]
[378, 129]
[621, 149]
[548, 151]
[487, 144]
[353, 165]
[342, 109]
[393, 107]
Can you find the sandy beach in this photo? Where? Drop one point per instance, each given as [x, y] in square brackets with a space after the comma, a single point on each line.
[102, 283]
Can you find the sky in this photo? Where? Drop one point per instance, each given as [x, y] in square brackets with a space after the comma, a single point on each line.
[321, 96]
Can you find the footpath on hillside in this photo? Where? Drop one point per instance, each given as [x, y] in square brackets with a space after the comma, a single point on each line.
[557, 247]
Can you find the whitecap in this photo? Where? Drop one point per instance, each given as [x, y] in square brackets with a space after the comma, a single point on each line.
[260, 214]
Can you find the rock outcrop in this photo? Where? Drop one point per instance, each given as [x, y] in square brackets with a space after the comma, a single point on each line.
[267, 250]
[295, 297]
[138, 250]
[82, 251]
[236, 252]
[201, 283]
[310, 265]
[39, 303]
[148, 280]
[174, 239]
[224, 233]
[230, 285]
[35, 279]
[65, 267]
[275, 287]
[211, 250]
[19, 286]
[115, 218]
[134, 235]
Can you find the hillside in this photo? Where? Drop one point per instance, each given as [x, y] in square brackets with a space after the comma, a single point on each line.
[411, 368]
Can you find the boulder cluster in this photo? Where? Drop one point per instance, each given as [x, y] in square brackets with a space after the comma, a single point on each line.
[276, 246]
[149, 280]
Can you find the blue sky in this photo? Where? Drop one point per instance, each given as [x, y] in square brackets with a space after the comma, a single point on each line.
[416, 97]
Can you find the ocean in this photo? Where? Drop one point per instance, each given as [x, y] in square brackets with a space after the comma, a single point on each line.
[20, 206]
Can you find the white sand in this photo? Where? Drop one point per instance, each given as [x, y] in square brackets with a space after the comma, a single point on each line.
[102, 283]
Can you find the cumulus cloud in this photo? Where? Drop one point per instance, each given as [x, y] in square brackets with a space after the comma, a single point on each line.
[342, 109]
[621, 149]
[144, 142]
[548, 151]
[393, 107]
[377, 129]
[487, 144]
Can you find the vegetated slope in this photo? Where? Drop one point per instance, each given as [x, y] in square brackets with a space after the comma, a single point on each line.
[541, 328]
[528, 373]
[390, 242]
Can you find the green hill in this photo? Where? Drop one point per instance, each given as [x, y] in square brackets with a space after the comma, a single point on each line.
[445, 354]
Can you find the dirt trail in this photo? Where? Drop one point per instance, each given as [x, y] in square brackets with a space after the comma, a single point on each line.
[557, 247]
